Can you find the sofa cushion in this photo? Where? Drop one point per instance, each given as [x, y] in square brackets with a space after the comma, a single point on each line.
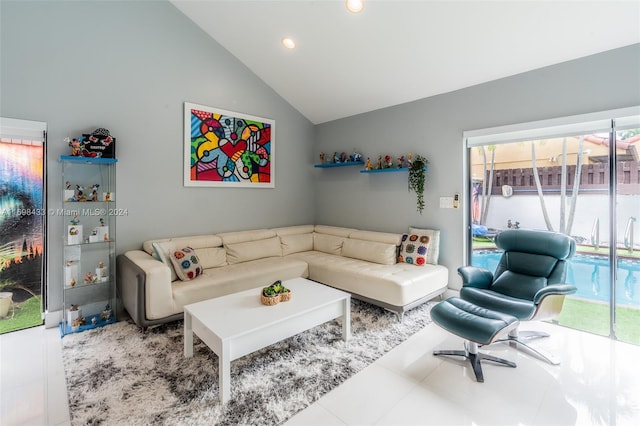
[196, 242]
[296, 243]
[334, 230]
[414, 249]
[296, 229]
[434, 243]
[380, 237]
[371, 251]
[244, 236]
[212, 257]
[186, 263]
[252, 250]
[218, 282]
[162, 252]
[396, 285]
[325, 243]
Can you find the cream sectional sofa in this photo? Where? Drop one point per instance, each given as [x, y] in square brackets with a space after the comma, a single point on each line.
[364, 263]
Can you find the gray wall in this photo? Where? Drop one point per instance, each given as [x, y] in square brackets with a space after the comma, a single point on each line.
[433, 127]
[128, 67]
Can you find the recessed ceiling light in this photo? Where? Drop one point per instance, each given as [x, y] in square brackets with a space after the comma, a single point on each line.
[288, 43]
[354, 6]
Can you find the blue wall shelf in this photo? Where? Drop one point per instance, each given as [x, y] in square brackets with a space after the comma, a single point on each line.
[346, 163]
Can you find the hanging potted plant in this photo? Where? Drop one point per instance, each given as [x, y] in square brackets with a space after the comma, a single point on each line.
[416, 179]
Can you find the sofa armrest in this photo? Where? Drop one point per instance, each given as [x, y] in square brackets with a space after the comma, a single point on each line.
[144, 284]
[472, 276]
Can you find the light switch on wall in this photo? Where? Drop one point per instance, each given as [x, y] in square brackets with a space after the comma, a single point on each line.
[446, 202]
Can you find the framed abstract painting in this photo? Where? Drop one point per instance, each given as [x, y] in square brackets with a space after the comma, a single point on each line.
[227, 149]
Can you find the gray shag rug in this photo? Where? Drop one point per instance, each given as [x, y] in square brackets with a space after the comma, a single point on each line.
[119, 375]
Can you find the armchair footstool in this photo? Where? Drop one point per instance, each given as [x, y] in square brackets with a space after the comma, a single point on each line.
[478, 326]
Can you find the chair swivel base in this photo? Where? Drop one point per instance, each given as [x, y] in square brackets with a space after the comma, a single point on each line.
[478, 326]
[471, 353]
[520, 339]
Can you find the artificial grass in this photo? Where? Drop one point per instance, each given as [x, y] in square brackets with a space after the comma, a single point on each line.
[593, 317]
[22, 315]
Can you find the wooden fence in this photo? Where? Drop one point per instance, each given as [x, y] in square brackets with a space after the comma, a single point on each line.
[594, 178]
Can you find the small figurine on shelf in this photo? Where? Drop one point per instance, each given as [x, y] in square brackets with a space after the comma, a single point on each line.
[379, 164]
[94, 320]
[75, 146]
[94, 192]
[73, 313]
[101, 221]
[322, 157]
[336, 157]
[80, 193]
[387, 162]
[72, 282]
[75, 325]
[409, 160]
[107, 196]
[102, 274]
[106, 313]
[343, 157]
[75, 220]
[368, 165]
[67, 185]
[356, 156]
[401, 162]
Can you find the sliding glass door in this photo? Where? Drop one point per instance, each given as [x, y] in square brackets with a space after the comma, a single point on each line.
[579, 179]
[626, 298]
[22, 223]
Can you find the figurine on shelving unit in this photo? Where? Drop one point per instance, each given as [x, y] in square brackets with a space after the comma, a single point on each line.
[368, 165]
[106, 313]
[73, 313]
[388, 163]
[102, 273]
[322, 157]
[379, 164]
[356, 156]
[80, 195]
[94, 192]
[74, 231]
[402, 162]
[75, 146]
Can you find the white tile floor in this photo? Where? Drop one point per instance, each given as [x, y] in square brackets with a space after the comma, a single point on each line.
[598, 383]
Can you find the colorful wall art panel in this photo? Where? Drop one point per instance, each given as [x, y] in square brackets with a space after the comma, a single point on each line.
[227, 149]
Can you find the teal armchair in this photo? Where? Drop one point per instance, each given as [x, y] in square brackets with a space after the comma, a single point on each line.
[528, 283]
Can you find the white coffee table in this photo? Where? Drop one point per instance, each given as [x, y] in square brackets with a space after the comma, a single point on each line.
[237, 324]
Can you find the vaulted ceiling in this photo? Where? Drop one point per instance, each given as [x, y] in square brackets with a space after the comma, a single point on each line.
[399, 51]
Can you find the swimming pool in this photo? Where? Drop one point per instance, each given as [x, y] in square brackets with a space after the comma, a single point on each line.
[589, 273]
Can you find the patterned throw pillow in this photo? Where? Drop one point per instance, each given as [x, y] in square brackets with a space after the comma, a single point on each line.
[434, 242]
[186, 263]
[414, 249]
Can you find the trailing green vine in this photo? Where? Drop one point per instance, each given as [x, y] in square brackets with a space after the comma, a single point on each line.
[417, 179]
